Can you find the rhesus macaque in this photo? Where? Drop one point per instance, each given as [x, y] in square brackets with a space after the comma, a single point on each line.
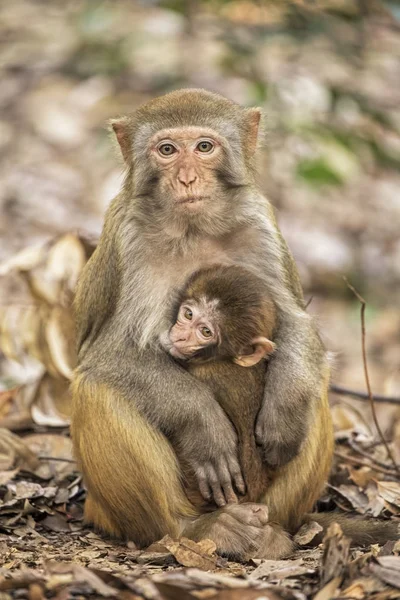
[189, 200]
[223, 321]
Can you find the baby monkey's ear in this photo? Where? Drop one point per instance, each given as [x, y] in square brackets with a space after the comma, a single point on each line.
[261, 348]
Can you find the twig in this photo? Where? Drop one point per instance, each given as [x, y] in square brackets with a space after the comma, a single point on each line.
[364, 463]
[362, 452]
[338, 389]
[366, 374]
[57, 459]
[311, 298]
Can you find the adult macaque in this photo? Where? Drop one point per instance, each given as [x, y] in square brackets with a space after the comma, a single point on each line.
[223, 321]
[189, 200]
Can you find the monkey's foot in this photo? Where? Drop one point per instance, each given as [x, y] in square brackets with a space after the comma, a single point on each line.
[237, 529]
[276, 543]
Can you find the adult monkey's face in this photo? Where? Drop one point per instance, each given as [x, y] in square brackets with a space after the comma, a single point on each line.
[187, 152]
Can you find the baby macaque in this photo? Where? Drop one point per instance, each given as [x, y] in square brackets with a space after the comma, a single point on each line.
[223, 321]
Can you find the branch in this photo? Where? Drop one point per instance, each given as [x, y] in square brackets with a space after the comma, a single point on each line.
[338, 389]
[363, 463]
[366, 374]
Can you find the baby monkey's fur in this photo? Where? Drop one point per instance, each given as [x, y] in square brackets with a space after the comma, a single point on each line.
[243, 312]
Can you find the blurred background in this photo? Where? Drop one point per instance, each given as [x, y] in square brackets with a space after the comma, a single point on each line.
[326, 73]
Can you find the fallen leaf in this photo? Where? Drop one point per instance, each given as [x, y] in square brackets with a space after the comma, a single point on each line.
[55, 523]
[388, 571]
[14, 451]
[329, 590]
[336, 553]
[193, 554]
[155, 558]
[7, 476]
[390, 491]
[357, 499]
[280, 569]
[307, 533]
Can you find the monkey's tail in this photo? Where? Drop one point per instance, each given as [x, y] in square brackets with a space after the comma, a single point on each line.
[360, 530]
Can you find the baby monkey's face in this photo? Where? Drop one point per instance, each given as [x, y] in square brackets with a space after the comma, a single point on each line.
[198, 333]
[196, 327]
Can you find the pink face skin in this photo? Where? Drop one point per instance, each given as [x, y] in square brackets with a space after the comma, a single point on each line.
[187, 158]
[197, 327]
[192, 331]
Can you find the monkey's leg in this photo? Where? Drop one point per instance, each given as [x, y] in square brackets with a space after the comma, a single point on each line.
[240, 531]
[299, 484]
[130, 470]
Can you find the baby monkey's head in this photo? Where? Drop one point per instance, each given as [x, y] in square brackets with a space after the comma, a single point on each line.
[223, 313]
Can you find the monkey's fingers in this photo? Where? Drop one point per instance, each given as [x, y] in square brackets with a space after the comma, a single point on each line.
[209, 484]
[236, 474]
[216, 485]
[203, 483]
[225, 481]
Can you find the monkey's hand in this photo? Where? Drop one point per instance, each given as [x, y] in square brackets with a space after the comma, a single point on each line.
[185, 410]
[215, 463]
[296, 380]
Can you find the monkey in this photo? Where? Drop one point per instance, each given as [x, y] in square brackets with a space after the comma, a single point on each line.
[222, 321]
[190, 199]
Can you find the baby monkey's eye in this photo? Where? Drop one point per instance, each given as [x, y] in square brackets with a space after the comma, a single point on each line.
[188, 314]
[205, 146]
[205, 332]
[167, 149]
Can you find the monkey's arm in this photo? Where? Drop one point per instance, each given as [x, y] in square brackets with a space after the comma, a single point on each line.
[177, 405]
[296, 379]
[298, 371]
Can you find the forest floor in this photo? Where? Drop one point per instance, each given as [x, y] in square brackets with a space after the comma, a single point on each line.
[46, 551]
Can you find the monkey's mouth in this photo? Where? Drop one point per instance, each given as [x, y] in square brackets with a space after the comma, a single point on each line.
[191, 200]
[176, 354]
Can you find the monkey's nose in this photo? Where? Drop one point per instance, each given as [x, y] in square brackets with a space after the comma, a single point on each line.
[186, 177]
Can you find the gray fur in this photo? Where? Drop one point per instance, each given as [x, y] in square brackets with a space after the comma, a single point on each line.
[146, 253]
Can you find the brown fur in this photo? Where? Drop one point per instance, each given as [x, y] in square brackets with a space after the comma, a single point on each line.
[133, 407]
[243, 313]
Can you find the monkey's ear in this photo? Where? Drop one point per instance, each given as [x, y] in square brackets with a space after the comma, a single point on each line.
[262, 346]
[252, 123]
[120, 128]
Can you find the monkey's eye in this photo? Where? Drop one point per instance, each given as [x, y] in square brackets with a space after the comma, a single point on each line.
[205, 146]
[167, 149]
[188, 314]
[205, 332]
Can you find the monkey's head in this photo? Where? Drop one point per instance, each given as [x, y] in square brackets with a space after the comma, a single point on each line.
[222, 313]
[187, 152]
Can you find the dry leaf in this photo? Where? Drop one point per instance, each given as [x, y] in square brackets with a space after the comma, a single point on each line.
[390, 491]
[307, 533]
[387, 569]
[329, 590]
[7, 476]
[193, 554]
[53, 446]
[52, 395]
[336, 553]
[14, 451]
[280, 569]
[357, 499]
